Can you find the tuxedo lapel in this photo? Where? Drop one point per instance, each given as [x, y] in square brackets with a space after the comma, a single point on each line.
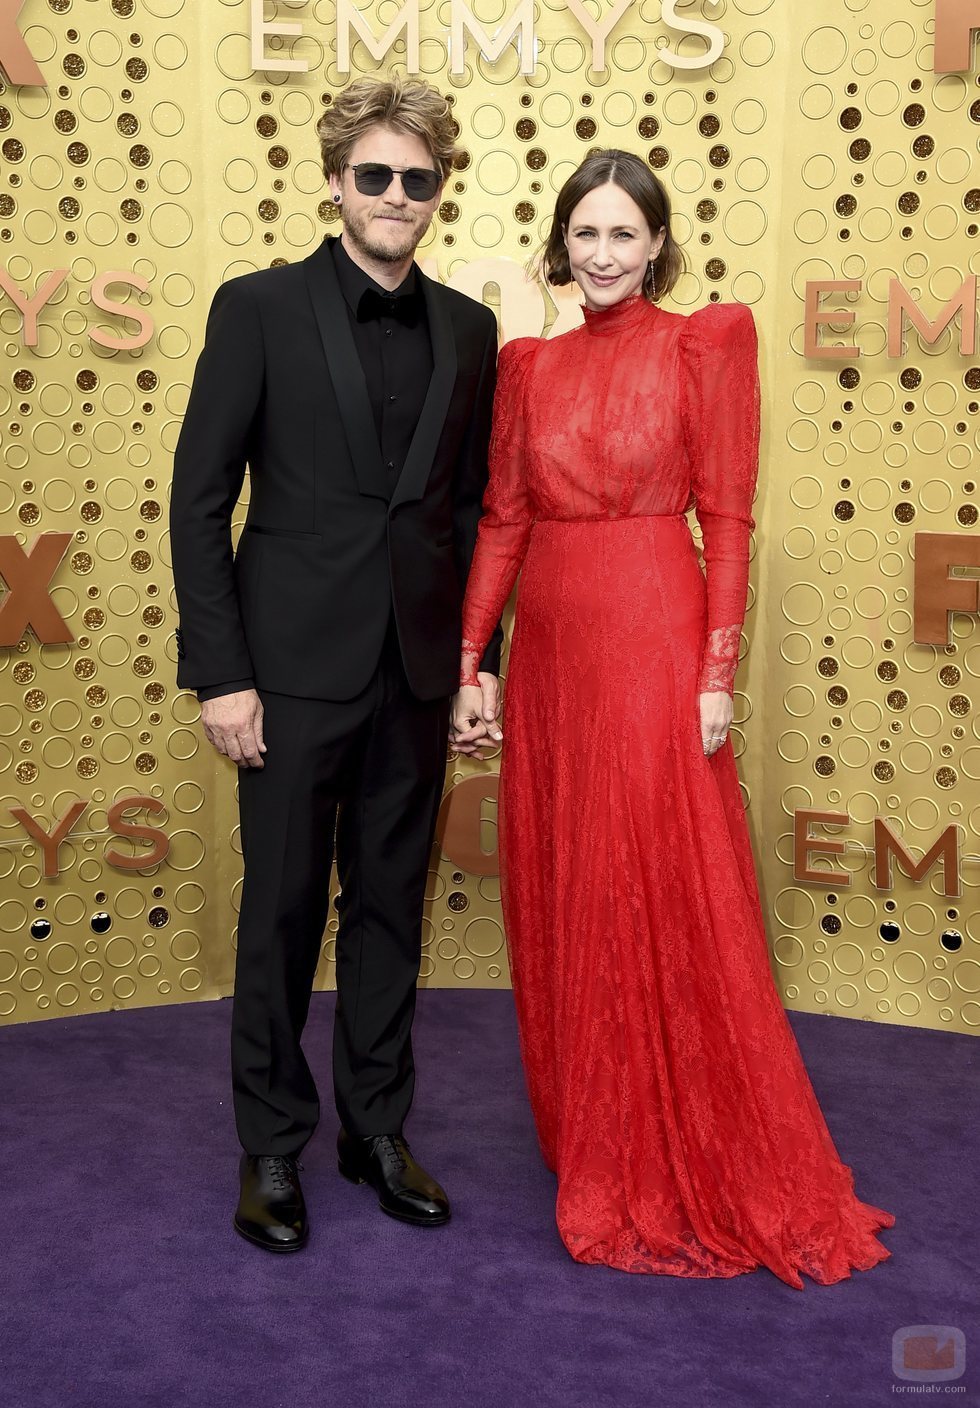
[346, 373]
[418, 464]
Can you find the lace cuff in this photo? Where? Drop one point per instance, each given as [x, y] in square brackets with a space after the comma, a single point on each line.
[720, 660]
[470, 663]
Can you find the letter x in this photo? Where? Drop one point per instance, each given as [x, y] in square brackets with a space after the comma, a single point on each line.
[16, 60]
[28, 601]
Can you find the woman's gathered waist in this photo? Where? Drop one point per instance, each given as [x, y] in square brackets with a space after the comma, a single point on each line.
[605, 519]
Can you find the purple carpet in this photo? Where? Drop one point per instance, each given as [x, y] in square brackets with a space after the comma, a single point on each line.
[124, 1285]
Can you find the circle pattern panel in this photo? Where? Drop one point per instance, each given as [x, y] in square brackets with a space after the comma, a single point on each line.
[810, 149]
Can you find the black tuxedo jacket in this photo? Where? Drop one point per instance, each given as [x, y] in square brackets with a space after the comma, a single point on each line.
[329, 544]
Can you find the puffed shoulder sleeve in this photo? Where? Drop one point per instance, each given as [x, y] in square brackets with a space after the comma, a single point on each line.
[504, 529]
[720, 407]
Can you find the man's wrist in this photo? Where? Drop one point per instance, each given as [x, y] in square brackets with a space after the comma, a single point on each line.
[215, 691]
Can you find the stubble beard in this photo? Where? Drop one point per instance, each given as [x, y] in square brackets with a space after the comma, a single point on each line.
[357, 230]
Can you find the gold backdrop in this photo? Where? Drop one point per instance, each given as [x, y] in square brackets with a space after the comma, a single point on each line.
[820, 145]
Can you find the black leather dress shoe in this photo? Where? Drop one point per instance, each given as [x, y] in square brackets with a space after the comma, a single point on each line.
[404, 1189]
[271, 1210]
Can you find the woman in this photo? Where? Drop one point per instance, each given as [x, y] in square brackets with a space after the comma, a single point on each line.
[666, 1084]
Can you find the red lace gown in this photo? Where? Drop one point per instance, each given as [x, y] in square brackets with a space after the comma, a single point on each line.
[667, 1087]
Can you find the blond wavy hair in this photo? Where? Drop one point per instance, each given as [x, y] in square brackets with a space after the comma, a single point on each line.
[403, 104]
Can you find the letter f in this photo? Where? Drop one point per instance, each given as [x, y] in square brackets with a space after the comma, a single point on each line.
[936, 592]
[955, 22]
[16, 61]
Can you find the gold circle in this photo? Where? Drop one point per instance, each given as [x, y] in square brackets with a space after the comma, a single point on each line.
[909, 968]
[119, 952]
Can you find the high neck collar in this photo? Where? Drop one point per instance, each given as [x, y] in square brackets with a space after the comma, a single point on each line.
[627, 313]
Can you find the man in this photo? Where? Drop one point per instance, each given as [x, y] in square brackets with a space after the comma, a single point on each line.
[359, 392]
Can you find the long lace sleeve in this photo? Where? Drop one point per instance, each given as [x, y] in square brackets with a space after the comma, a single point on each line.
[720, 391]
[505, 527]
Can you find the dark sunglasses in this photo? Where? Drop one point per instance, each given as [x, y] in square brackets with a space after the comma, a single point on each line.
[372, 178]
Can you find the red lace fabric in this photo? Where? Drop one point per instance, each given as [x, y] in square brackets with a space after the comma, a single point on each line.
[667, 1087]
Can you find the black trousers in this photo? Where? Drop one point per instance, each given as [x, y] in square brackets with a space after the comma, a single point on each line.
[371, 769]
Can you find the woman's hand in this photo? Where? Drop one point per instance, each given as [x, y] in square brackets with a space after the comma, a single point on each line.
[473, 723]
[716, 720]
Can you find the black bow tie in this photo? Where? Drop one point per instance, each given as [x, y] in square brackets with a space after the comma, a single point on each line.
[403, 306]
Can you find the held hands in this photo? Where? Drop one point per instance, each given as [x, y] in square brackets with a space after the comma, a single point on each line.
[473, 723]
[716, 720]
[233, 723]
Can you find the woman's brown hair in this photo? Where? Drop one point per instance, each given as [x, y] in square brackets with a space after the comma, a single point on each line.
[633, 176]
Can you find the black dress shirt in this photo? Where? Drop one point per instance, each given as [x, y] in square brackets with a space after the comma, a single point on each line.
[391, 334]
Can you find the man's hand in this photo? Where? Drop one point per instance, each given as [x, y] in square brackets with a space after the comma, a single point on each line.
[473, 723]
[716, 720]
[233, 723]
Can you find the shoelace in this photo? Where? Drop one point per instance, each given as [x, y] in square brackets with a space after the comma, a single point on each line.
[282, 1171]
[387, 1147]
